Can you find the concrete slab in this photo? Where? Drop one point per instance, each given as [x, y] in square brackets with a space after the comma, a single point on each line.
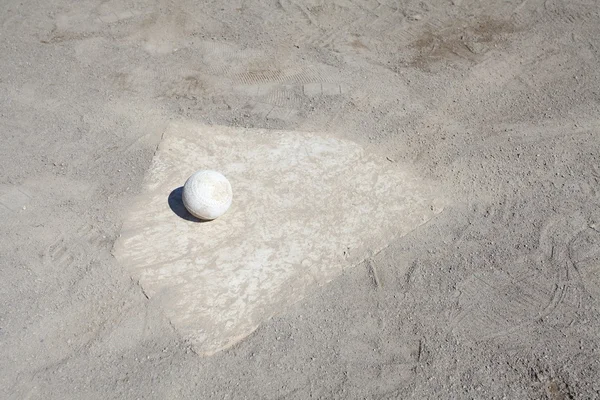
[305, 206]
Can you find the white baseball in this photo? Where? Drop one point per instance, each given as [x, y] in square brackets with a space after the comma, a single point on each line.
[207, 194]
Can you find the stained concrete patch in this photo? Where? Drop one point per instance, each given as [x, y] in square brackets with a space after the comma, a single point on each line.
[305, 206]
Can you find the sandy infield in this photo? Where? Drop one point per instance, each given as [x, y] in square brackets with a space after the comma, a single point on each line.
[494, 104]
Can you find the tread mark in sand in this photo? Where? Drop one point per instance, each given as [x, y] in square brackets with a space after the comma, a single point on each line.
[524, 296]
[278, 92]
[564, 11]
[64, 251]
[298, 75]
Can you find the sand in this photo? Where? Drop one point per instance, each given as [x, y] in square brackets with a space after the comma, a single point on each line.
[495, 102]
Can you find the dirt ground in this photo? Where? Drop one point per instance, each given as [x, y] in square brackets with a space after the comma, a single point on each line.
[498, 101]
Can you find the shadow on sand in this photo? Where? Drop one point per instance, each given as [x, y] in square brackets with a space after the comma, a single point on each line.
[176, 205]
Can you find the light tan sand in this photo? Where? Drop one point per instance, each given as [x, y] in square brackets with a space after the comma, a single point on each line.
[495, 102]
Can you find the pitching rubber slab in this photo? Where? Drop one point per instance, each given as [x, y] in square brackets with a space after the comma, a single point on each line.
[305, 206]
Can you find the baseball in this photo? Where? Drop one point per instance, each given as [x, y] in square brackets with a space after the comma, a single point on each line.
[207, 194]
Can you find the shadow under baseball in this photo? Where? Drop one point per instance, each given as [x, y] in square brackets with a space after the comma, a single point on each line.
[176, 205]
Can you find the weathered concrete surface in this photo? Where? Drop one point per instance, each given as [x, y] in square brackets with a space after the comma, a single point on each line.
[305, 207]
